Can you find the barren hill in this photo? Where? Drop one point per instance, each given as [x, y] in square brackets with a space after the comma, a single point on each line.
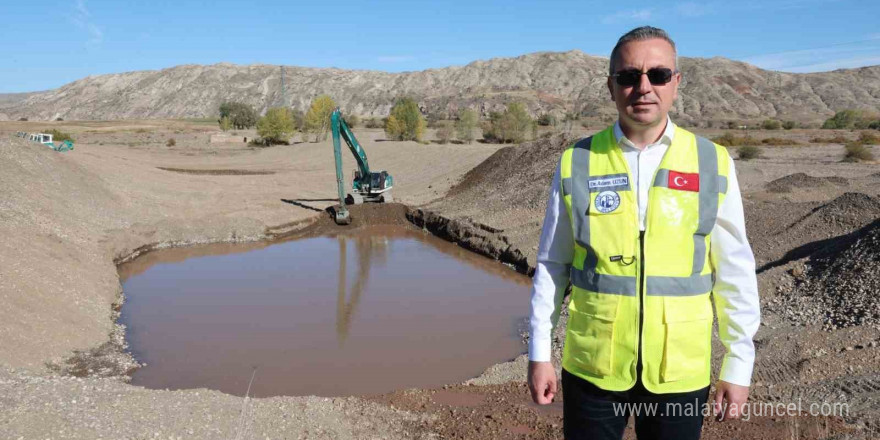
[715, 89]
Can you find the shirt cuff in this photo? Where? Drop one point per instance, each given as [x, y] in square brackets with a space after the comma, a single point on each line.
[539, 349]
[736, 371]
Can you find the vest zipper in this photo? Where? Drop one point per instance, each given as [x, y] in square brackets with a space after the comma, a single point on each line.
[640, 291]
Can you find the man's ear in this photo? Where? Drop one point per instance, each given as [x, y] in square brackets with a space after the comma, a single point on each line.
[610, 87]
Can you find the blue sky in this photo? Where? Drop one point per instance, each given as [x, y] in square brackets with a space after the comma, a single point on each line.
[51, 42]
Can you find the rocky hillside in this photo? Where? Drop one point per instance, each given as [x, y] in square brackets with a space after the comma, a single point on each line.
[715, 89]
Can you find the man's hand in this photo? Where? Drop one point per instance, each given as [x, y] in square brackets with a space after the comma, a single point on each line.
[729, 400]
[542, 382]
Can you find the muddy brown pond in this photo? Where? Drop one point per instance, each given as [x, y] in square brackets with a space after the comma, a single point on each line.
[367, 312]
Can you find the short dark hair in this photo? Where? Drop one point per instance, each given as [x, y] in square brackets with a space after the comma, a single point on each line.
[640, 34]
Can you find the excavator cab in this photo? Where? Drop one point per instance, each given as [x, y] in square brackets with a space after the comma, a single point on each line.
[374, 188]
[377, 182]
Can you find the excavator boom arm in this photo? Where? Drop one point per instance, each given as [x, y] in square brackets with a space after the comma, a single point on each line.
[340, 129]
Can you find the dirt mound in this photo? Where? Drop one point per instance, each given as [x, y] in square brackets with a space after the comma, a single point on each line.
[803, 180]
[840, 282]
[509, 176]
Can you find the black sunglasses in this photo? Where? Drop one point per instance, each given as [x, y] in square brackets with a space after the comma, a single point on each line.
[657, 76]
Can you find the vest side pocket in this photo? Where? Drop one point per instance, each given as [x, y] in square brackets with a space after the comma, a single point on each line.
[688, 337]
[591, 332]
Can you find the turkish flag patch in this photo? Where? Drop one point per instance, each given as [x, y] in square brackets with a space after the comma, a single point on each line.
[684, 181]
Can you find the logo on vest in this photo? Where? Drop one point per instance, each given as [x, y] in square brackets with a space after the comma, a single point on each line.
[607, 201]
[684, 181]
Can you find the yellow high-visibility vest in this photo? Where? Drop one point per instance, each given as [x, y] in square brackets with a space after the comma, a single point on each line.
[631, 288]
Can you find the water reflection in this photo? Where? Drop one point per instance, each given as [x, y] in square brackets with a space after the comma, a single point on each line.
[367, 248]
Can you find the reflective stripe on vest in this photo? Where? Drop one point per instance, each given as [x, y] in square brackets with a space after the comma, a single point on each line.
[710, 185]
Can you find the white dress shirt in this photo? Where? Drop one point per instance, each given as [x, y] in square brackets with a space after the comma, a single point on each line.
[735, 291]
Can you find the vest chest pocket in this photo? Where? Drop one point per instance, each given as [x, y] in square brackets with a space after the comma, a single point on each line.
[688, 340]
[590, 338]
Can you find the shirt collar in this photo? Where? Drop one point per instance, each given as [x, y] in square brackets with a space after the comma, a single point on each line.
[665, 138]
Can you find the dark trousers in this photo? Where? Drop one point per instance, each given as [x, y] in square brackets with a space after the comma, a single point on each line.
[590, 412]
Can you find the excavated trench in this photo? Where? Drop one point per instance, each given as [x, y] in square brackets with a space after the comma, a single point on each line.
[399, 299]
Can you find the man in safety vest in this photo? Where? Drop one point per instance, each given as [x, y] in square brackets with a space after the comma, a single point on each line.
[645, 221]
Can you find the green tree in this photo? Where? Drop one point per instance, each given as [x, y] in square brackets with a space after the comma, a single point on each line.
[317, 120]
[393, 128]
[464, 127]
[788, 125]
[409, 124]
[514, 125]
[225, 123]
[277, 126]
[240, 114]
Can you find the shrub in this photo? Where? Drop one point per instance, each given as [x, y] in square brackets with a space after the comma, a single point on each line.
[771, 124]
[779, 141]
[374, 123]
[22, 119]
[837, 139]
[546, 120]
[170, 142]
[788, 125]
[874, 125]
[277, 126]
[464, 127]
[514, 125]
[225, 123]
[352, 121]
[59, 136]
[317, 120]
[240, 114]
[59, 119]
[856, 151]
[445, 131]
[858, 119]
[868, 138]
[406, 122]
[731, 140]
[748, 152]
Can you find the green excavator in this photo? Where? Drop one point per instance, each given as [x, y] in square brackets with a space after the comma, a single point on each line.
[368, 186]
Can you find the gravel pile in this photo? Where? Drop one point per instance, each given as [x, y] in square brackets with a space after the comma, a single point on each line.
[802, 180]
[779, 236]
[838, 285]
